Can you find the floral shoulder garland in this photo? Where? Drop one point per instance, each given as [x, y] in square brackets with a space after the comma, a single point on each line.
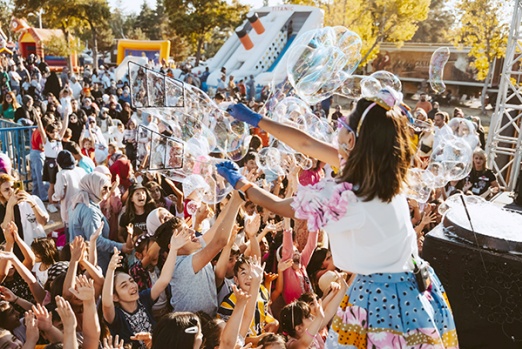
[323, 202]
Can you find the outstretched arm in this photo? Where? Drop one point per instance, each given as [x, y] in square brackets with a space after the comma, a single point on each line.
[293, 137]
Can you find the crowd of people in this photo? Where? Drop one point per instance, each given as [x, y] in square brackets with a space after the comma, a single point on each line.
[141, 265]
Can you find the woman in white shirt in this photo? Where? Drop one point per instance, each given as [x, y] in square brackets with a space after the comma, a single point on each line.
[367, 220]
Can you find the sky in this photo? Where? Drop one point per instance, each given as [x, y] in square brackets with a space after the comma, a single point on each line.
[130, 6]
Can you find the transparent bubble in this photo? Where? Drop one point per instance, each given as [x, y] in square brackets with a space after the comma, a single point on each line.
[351, 87]
[269, 160]
[138, 85]
[303, 161]
[456, 200]
[232, 138]
[291, 111]
[439, 58]
[174, 93]
[320, 60]
[370, 86]
[155, 89]
[387, 79]
[420, 184]
[439, 174]
[453, 157]
[320, 128]
[464, 129]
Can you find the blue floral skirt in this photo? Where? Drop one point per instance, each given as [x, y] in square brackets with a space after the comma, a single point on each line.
[384, 311]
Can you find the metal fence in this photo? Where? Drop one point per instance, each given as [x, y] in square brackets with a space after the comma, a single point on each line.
[15, 141]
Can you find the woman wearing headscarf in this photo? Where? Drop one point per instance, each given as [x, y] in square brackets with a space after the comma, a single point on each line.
[86, 216]
[111, 207]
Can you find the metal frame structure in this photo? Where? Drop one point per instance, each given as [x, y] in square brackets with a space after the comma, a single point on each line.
[504, 144]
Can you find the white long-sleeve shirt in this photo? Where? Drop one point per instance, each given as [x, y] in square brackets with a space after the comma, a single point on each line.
[66, 187]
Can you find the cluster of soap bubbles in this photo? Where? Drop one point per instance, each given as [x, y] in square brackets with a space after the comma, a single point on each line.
[321, 60]
[450, 160]
[188, 128]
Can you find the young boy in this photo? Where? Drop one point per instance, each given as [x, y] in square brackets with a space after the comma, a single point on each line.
[263, 320]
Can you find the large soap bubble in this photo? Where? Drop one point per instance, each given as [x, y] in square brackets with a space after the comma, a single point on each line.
[439, 58]
[465, 129]
[420, 184]
[269, 160]
[454, 156]
[387, 79]
[320, 60]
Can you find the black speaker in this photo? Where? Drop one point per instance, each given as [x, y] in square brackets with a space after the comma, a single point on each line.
[484, 289]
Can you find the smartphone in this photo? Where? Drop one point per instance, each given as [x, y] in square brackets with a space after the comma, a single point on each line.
[18, 185]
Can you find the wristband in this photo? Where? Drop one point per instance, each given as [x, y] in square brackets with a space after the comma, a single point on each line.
[16, 300]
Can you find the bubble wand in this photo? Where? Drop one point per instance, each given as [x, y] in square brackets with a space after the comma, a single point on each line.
[473, 230]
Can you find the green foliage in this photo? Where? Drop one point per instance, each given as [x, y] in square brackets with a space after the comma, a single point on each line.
[6, 11]
[57, 46]
[374, 20]
[195, 20]
[479, 27]
[435, 29]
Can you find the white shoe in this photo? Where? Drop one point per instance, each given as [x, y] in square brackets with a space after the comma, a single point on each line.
[51, 208]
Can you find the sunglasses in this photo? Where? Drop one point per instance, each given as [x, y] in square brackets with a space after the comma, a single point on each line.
[92, 122]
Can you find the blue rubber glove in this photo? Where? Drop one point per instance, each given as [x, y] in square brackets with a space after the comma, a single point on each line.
[243, 113]
[229, 171]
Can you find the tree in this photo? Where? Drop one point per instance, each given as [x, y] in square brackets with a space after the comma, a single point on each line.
[96, 14]
[195, 19]
[435, 29]
[480, 29]
[57, 46]
[5, 15]
[70, 16]
[375, 21]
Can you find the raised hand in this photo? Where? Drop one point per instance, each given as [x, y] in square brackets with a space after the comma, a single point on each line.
[229, 171]
[243, 113]
[269, 277]
[32, 333]
[241, 297]
[84, 290]
[77, 249]
[116, 259]
[283, 265]
[63, 308]
[11, 232]
[7, 295]
[252, 225]
[45, 320]
[97, 233]
[256, 269]
[108, 343]
[145, 337]
[180, 238]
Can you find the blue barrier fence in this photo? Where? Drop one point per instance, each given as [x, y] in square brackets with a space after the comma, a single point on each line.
[15, 141]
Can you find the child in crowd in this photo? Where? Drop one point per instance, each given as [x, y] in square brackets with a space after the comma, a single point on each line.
[46, 255]
[133, 313]
[51, 139]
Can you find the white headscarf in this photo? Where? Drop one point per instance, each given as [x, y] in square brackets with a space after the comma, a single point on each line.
[153, 221]
[90, 189]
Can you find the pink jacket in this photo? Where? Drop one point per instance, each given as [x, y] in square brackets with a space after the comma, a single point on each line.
[297, 281]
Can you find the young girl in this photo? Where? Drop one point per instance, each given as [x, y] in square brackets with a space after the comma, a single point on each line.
[51, 139]
[146, 271]
[46, 255]
[138, 206]
[159, 197]
[303, 327]
[9, 106]
[128, 311]
[367, 220]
